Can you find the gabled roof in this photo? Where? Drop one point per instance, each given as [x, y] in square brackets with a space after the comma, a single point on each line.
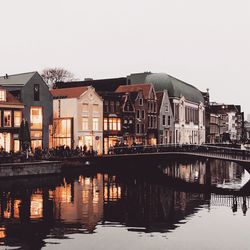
[10, 99]
[145, 88]
[17, 79]
[159, 96]
[69, 92]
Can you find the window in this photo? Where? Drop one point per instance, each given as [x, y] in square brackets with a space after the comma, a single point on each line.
[95, 124]
[36, 118]
[85, 109]
[166, 108]
[115, 124]
[85, 123]
[7, 118]
[169, 119]
[138, 114]
[117, 106]
[106, 106]
[95, 108]
[155, 122]
[17, 118]
[141, 102]
[143, 114]
[138, 128]
[36, 92]
[112, 107]
[163, 120]
[2, 95]
[142, 128]
[105, 124]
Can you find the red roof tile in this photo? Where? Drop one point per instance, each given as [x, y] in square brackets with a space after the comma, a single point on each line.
[135, 88]
[69, 92]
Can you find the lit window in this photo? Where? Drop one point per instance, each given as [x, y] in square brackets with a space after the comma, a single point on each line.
[36, 118]
[17, 118]
[105, 124]
[2, 95]
[115, 124]
[7, 118]
[95, 124]
[85, 123]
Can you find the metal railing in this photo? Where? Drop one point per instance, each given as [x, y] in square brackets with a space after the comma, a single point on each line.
[204, 149]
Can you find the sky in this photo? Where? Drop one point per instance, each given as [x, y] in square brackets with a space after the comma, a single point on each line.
[204, 43]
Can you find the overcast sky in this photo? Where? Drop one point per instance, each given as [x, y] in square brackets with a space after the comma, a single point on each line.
[205, 43]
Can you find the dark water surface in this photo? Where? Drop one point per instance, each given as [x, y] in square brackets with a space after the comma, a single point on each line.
[198, 205]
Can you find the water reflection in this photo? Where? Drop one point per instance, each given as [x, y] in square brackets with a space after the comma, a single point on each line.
[55, 208]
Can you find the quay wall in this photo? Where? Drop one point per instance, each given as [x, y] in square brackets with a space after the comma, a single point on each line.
[30, 168]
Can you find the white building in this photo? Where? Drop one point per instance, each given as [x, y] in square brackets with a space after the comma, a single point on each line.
[78, 118]
[187, 105]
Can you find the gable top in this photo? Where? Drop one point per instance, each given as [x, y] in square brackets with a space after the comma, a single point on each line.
[69, 92]
[17, 79]
[10, 99]
[159, 96]
[145, 88]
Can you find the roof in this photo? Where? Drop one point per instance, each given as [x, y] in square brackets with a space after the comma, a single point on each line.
[10, 99]
[159, 96]
[17, 79]
[100, 85]
[69, 92]
[145, 88]
[175, 87]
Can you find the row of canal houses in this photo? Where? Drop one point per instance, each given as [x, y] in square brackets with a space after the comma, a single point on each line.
[145, 108]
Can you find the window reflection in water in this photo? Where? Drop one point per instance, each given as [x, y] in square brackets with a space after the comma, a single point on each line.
[78, 204]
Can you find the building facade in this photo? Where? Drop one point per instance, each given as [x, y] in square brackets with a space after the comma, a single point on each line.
[11, 113]
[32, 91]
[145, 107]
[165, 118]
[187, 105]
[78, 118]
[112, 120]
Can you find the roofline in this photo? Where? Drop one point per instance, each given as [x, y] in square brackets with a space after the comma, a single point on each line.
[20, 73]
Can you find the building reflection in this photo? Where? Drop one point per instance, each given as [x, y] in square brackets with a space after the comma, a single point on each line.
[211, 172]
[56, 208]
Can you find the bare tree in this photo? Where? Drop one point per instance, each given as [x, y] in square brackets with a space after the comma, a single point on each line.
[53, 75]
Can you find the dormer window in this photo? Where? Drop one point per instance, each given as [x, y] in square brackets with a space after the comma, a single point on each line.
[141, 102]
[2, 95]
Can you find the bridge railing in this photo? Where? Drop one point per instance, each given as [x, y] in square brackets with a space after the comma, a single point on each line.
[204, 149]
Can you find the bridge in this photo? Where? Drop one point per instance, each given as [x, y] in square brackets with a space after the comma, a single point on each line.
[227, 153]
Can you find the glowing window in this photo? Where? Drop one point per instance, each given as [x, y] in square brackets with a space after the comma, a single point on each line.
[17, 118]
[7, 118]
[36, 118]
[2, 95]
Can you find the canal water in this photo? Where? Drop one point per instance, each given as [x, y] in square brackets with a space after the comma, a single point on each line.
[186, 205]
